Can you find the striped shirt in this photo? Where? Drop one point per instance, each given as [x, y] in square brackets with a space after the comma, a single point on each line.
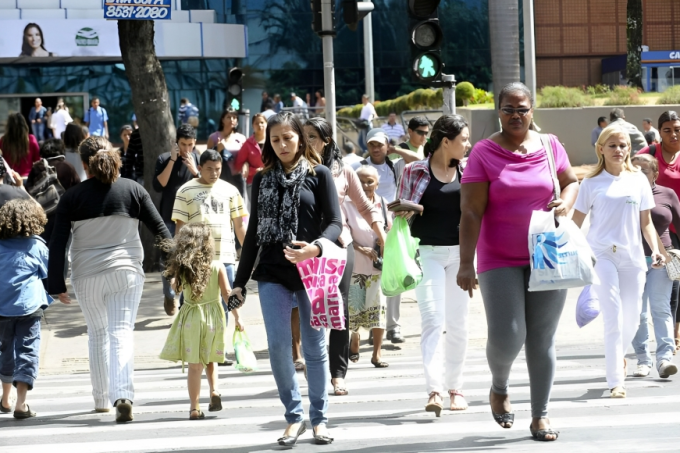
[215, 205]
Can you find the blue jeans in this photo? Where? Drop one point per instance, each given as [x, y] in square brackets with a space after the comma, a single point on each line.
[657, 297]
[167, 289]
[20, 348]
[38, 130]
[277, 302]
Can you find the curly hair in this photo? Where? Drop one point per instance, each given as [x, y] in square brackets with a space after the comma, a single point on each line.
[21, 218]
[190, 255]
[103, 162]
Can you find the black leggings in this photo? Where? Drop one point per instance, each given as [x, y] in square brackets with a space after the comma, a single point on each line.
[338, 343]
[675, 293]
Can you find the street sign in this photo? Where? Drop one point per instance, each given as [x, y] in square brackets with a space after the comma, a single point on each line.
[138, 9]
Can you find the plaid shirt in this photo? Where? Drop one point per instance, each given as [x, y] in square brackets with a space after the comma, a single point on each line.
[414, 181]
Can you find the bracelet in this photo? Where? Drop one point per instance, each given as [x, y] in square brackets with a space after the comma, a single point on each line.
[172, 160]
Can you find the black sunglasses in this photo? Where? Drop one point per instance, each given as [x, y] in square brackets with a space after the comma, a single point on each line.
[421, 133]
[511, 111]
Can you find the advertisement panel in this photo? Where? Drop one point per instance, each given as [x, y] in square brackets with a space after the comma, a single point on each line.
[138, 9]
[59, 38]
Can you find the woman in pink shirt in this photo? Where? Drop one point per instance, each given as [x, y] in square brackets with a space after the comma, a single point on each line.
[347, 183]
[20, 149]
[506, 178]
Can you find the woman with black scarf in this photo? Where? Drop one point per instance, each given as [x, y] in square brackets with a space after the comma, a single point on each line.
[347, 184]
[294, 203]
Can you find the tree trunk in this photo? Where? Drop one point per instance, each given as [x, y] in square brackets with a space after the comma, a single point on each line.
[504, 39]
[152, 107]
[633, 66]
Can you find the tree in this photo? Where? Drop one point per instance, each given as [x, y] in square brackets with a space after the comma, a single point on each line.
[504, 39]
[152, 107]
[634, 31]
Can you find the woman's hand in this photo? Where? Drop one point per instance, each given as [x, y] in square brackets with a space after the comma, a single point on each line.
[64, 298]
[658, 260]
[369, 252]
[244, 170]
[305, 252]
[467, 278]
[405, 214]
[238, 292]
[561, 208]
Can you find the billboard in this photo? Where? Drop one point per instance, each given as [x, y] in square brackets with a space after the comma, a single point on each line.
[59, 38]
[138, 9]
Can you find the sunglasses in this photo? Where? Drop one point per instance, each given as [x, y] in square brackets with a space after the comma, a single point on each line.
[421, 133]
[511, 111]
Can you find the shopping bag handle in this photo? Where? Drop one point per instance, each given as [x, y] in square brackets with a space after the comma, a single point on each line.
[547, 144]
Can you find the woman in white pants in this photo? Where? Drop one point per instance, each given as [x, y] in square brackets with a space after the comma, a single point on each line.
[619, 199]
[435, 184]
[103, 213]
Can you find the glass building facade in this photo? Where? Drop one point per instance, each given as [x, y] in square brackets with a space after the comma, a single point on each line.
[284, 55]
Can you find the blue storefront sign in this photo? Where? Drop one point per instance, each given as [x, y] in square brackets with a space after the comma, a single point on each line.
[661, 56]
[138, 9]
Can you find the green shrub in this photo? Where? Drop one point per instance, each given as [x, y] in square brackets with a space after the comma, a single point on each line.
[465, 92]
[670, 96]
[482, 97]
[352, 112]
[423, 98]
[560, 97]
[624, 95]
[598, 89]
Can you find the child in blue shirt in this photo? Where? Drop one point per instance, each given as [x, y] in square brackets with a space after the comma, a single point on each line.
[23, 266]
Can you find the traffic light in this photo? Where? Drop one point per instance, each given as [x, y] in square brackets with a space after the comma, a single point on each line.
[353, 11]
[317, 22]
[426, 38]
[234, 89]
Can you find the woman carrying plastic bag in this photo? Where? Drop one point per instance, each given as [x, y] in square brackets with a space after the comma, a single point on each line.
[401, 266]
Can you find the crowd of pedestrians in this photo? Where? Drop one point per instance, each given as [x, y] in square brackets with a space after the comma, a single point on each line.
[277, 198]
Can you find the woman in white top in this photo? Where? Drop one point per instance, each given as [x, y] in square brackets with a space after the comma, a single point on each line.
[619, 200]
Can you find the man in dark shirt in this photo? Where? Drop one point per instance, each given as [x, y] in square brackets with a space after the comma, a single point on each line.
[173, 169]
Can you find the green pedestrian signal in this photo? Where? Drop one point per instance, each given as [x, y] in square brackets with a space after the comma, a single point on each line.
[235, 104]
[427, 66]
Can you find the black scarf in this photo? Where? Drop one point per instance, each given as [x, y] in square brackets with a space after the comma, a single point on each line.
[278, 222]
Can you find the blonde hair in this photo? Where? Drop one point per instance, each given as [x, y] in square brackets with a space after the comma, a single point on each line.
[605, 135]
[190, 258]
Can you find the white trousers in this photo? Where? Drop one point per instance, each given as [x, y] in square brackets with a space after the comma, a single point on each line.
[620, 293]
[443, 307]
[109, 302]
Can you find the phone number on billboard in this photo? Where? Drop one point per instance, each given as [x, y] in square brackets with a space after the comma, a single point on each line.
[136, 12]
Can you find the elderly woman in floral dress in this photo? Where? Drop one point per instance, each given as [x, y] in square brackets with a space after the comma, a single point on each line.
[367, 304]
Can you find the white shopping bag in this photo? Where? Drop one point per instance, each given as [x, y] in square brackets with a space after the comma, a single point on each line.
[560, 255]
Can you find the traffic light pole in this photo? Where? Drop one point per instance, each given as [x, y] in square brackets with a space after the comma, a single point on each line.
[449, 86]
[328, 67]
[368, 56]
[529, 46]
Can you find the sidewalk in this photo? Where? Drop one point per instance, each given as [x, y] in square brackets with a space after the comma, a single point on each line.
[64, 349]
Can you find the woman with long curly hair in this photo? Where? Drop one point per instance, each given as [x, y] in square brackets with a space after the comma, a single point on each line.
[197, 334]
[20, 149]
[103, 214]
[294, 204]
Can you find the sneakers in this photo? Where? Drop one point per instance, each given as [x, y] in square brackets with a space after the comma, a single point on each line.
[618, 392]
[170, 306]
[123, 411]
[395, 336]
[642, 371]
[667, 369]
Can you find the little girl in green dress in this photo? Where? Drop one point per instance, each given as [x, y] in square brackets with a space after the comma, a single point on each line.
[197, 334]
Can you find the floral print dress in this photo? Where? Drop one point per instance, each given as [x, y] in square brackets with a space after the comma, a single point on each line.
[197, 334]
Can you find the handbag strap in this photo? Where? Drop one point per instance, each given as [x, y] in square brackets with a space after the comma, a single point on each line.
[384, 212]
[547, 144]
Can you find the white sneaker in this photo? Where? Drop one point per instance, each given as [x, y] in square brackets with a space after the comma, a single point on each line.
[124, 411]
[642, 371]
[667, 369]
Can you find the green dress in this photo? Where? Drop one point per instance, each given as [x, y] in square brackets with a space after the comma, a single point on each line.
[197, 334]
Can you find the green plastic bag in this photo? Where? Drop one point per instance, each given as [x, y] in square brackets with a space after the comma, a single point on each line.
[245, 358]
[401, 261]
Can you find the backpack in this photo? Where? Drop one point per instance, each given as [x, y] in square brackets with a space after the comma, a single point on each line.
[44, 186]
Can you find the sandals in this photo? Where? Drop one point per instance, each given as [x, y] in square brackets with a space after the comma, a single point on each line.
[354, 356]
[540, 434]
[21, 415]
[215, 403]
[5, 410]
[618, 392]
[339, 390]
[434, 406]
[452, 395]
[380, 364]
[200, 415]
[299, 365]
[503, 419]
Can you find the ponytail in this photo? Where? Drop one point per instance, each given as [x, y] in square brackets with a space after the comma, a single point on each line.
[103, 162]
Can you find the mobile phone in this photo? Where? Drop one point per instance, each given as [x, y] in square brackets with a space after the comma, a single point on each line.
[235, 302]
[291, 245]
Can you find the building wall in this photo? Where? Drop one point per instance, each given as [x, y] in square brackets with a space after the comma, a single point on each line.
[573, 36]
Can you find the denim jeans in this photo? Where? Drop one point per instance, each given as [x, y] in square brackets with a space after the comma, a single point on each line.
[656, 297]
[20, 348]
[38, 130]
[277, 302]
[167, 289]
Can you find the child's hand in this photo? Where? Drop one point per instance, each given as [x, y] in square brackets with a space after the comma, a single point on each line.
[64, 298]
[237, 324]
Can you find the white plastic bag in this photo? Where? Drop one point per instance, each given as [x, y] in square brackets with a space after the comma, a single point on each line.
[587, 306]
[560, 255]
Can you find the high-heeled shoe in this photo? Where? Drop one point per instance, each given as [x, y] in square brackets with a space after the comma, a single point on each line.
[289, 441]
